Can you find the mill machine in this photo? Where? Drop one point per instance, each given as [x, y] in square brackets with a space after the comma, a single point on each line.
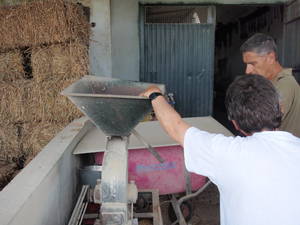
[115, 107]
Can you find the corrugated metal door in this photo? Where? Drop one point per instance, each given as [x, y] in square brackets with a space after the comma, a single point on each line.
[181, 57]
[292, 34]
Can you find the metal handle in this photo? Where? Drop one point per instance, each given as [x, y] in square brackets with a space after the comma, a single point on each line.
[149, 147]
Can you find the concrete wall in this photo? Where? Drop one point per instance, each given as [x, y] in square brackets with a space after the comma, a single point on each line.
[100, 45]
[45, 191]
[125, 31]
[125, 39]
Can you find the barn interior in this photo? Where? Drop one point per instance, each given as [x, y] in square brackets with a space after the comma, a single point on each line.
[234, 24]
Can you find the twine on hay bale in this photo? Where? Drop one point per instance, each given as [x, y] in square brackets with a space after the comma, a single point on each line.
[42, 22]
[69, 60]
[11, 67]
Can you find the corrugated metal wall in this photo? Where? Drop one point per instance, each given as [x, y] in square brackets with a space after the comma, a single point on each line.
[181, 57]
[292, 35]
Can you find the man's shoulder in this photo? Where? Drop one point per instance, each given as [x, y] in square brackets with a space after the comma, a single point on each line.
[285, 79]
[284, 74]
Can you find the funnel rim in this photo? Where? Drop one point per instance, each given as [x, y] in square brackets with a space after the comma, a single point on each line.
[104, 95]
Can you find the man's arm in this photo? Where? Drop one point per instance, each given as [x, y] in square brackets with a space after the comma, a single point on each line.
[170, 120]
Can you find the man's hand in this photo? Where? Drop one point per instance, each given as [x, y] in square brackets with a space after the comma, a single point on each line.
[169, 119]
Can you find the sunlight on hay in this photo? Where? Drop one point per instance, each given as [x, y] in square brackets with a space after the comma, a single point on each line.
[11, 67]
[42, 22]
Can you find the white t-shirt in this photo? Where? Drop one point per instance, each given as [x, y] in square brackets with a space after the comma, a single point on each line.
[258, 176]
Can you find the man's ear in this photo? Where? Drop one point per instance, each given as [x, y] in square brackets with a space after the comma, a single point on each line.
[271, 57]
[237, 127]
[235, 124]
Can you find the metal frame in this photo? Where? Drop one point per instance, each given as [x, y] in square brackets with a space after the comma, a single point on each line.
[156, 212]
[80, 207]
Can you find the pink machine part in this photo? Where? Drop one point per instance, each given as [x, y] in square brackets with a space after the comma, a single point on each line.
[148, 173]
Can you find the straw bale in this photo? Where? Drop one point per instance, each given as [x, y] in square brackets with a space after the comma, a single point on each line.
[48, 105]
[61, 60]
[42, 22]
[11, 67]
[13, 106]
[7, 172]
[9, 142]
[21, 142]
[37, 135]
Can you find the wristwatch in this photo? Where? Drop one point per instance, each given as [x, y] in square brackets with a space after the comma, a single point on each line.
[154, 95]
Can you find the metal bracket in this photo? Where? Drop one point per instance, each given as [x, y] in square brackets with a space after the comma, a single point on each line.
[149, 147]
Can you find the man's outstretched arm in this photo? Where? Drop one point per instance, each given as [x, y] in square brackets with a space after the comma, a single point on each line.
[170, 120]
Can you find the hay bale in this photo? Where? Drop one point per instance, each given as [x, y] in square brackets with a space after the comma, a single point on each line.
[42, 22]
[20, 143]
[13, 101]
[48, 105]
[7, 171]
[36, 136]
[62, 60]
[11, 67]
[9, 143]
[54, 68]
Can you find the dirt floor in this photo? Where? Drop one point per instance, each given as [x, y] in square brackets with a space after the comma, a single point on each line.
[205, 208]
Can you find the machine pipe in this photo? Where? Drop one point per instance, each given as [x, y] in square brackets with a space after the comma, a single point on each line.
[114, 182]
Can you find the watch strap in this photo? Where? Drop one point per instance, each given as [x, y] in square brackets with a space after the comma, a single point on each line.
[154, 95]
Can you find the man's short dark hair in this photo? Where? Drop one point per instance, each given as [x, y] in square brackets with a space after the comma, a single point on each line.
[260, 44]
[253, 102]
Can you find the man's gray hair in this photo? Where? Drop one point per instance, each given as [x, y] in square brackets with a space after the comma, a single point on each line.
[260, 44]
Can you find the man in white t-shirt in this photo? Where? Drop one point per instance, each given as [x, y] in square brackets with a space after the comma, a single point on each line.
[258, 176]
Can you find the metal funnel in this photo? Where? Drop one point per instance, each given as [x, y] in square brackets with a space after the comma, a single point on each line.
[113, 105]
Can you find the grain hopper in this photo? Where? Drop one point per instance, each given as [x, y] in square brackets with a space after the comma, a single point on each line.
[115, 107]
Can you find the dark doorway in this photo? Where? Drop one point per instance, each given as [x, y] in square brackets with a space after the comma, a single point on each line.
[234, 24]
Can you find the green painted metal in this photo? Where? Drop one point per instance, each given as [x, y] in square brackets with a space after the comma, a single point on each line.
[212, 1]
[181, 56]
[292, 35]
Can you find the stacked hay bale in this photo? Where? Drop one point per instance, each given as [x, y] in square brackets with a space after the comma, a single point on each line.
[43, 49]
